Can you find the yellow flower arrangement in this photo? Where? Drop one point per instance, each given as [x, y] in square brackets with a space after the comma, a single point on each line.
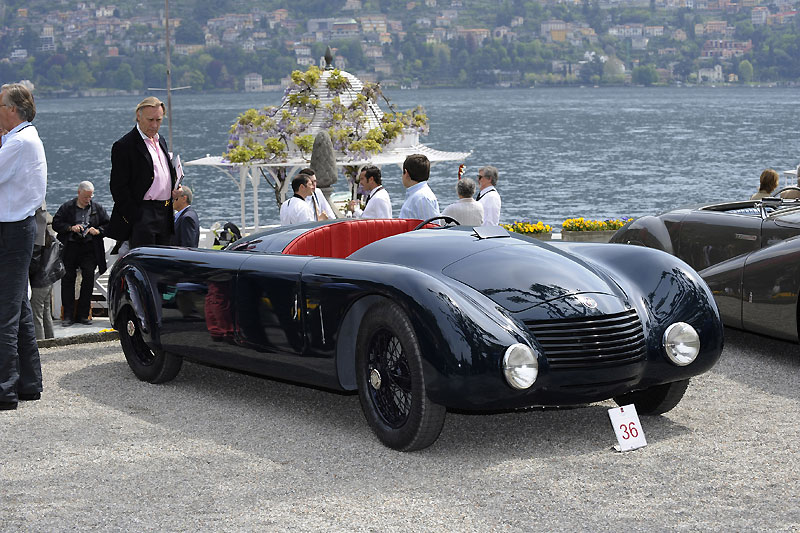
[581, 224]
[528, 227]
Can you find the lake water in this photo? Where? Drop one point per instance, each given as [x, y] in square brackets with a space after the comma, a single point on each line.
[561, 152]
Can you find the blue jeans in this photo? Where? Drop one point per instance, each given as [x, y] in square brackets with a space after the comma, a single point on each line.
[20, 368]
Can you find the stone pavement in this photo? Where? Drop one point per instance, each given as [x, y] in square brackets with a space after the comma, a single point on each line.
[224, 451]
[99, 330]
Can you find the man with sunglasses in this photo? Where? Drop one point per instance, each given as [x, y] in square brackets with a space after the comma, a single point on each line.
[488, 196]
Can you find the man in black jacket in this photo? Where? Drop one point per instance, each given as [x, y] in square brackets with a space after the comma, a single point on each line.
[142, 181]
[187, 224]
[80, 224]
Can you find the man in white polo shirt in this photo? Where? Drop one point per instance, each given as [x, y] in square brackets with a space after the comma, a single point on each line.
[295, 210]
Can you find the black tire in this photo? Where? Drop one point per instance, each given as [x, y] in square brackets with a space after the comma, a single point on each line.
[148, 364]
[391, 384]
[655, 400]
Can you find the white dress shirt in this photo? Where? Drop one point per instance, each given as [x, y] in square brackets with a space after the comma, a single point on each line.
[489, 198]
[420, 202]
[467, 211]
[321, 205]
[294, 211]
[23, 173]
[378, 205]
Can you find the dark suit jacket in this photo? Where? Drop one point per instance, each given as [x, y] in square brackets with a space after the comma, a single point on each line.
[131, 177]
[187, 229]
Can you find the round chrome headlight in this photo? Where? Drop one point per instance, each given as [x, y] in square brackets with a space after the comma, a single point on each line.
[681, 343]
[520, 366]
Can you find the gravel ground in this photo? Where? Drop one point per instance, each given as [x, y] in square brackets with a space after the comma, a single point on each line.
[215, 450]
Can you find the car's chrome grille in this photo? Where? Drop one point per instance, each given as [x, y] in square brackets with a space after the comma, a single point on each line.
[591, 342]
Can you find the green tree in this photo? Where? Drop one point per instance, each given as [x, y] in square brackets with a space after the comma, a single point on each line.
[29, 40]
[745, 71]
[27, 71]
[189, 32]
[744, 30]
[156, 75]
[193, 78]
[683, 68]
[644, 75]
[123, 78]
[591, 71]
[352, 51]
[613, 71]
[54, 76]
[217, 74]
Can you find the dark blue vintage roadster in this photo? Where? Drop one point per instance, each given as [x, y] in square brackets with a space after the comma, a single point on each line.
[419, 319]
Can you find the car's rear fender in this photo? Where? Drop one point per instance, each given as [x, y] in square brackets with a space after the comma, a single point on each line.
[649, 231]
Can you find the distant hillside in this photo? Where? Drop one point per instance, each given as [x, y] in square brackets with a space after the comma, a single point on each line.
[68, 47]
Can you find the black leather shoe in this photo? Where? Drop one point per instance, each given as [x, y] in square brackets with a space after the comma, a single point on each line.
[67, 323]
[8, 406]
[86, 321]
[29, 396]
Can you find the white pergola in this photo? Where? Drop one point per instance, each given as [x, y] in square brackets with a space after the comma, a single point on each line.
[279, 173]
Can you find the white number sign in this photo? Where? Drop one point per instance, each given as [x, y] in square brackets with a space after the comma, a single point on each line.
[625, 422]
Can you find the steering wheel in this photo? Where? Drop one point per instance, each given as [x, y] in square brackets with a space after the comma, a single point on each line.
[447, 220]
[789, 188]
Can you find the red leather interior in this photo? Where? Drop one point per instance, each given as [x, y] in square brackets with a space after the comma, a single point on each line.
[343, 238]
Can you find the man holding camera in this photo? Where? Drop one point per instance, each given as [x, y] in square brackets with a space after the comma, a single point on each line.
[80, 224]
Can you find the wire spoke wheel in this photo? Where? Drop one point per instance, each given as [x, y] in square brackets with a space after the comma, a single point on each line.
[392, 396]
[391, 382]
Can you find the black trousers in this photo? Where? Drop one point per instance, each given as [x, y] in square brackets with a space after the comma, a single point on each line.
[155, 226]
[20, 369]
[78, 255]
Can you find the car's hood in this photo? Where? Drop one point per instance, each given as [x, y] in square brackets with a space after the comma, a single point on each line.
[520, 277]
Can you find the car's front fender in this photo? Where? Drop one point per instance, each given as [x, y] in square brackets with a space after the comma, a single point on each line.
[665, 290]
[461, 333]
[128, 287]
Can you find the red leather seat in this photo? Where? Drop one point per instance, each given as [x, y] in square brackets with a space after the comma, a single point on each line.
[341, 239]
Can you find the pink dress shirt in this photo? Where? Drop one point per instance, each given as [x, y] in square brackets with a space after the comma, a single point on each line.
[161, 189]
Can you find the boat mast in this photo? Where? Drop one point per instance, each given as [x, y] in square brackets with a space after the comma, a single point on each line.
[169, 88]
[169, 76]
